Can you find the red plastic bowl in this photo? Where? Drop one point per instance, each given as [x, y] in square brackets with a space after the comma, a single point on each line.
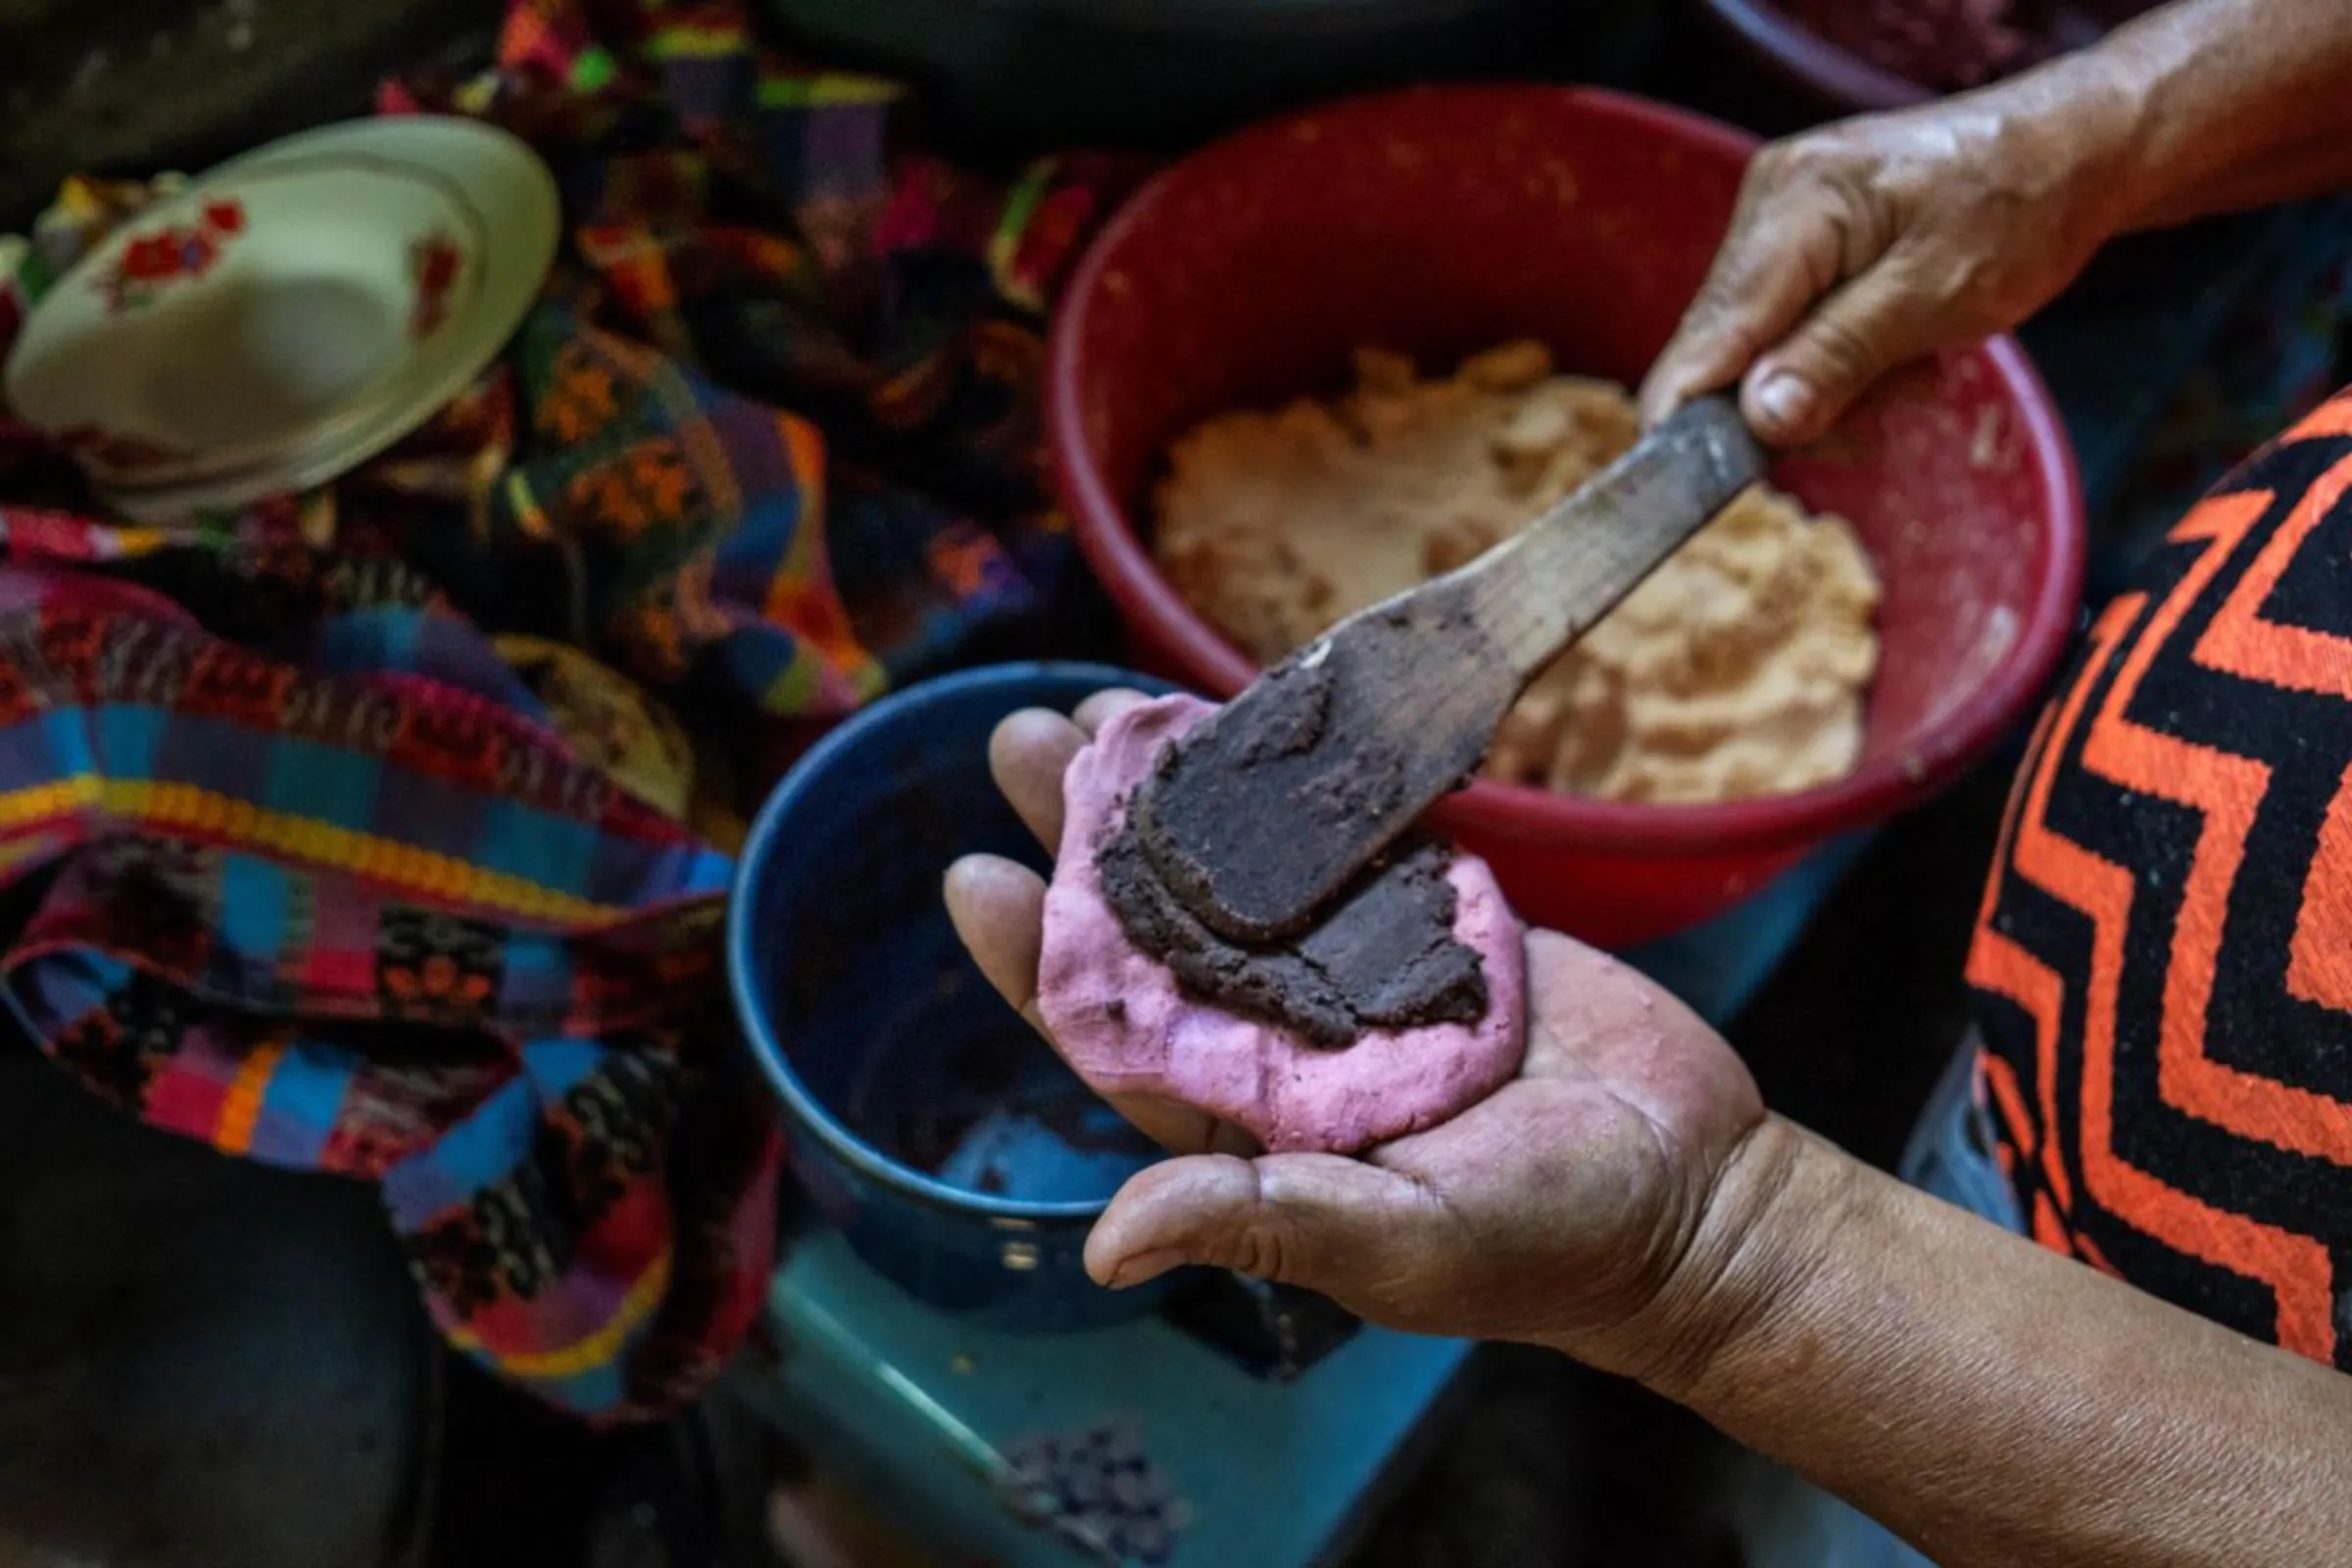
[1443, 221]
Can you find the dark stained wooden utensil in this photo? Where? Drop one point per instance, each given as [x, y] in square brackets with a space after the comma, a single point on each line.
[1267, 810]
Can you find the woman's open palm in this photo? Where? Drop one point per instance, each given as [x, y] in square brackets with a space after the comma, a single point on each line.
[1555, 1208]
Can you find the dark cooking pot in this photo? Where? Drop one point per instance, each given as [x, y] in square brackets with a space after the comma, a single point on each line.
[1163, 72]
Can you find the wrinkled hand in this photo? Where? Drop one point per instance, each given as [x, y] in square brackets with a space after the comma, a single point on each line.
[1562, 1209]
[1861, 246]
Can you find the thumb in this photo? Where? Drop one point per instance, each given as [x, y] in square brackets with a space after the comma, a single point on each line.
[1796, 392]
[1322, 1222]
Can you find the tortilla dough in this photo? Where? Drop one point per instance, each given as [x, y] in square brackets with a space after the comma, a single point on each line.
[1128, 1027]
[1736, 669]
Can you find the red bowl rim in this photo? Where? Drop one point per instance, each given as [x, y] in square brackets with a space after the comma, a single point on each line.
[1821, 67]
[1878, 789]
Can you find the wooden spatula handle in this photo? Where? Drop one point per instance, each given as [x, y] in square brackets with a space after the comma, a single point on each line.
[1540, 591]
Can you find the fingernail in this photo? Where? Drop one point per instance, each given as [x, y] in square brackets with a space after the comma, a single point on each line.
[1145, 1268]
[1784, 400]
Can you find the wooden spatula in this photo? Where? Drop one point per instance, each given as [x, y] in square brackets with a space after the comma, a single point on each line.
[1272, 807]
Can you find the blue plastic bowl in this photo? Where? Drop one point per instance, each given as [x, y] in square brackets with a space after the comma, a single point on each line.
[959, 1158]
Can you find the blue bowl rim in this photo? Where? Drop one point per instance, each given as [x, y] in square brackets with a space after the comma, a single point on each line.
[758, 848]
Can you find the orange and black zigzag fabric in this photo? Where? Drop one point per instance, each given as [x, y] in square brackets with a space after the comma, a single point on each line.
[2163, 965]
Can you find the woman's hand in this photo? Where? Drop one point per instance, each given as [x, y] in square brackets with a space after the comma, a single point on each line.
[1863, 245]
[1565, 1208]
[1627, 1201]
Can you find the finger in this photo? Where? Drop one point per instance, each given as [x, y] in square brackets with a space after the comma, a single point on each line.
[1027, 754]
[1319, 1221]
[1104, 706]
[1800, 388]
[1772, 266]
[999, 909]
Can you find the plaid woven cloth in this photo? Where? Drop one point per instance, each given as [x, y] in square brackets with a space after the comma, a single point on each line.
[370, 831]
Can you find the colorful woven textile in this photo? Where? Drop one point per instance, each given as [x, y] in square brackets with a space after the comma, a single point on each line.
[365, 831]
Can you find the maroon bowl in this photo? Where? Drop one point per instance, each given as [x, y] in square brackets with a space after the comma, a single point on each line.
[1782, 76]
[1443, 221]
[1805, 79]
